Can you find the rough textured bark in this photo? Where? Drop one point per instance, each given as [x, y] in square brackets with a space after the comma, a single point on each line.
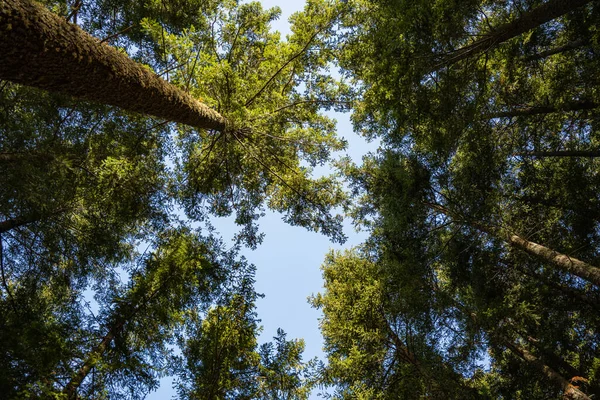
[568, 264]
[43, 50]
[570, 391]
[528, 21]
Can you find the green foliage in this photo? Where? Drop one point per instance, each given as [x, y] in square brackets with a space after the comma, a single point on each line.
[485, 138]
[92, 198]
[474, 149]
[222, 360]
[278, 134]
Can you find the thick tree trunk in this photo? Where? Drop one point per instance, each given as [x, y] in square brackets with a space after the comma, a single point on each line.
[568, 264]
[540, 110]
[528, 21]
[43, 50]
[570, 391]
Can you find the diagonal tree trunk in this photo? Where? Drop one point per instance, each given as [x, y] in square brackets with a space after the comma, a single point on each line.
[570, 392]
[568, 264]
[43, 50]
[90, 362]
[127, 313]
[526, 22]
[16, 222]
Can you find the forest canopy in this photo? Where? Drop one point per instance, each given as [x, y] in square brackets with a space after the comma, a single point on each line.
[127, 126]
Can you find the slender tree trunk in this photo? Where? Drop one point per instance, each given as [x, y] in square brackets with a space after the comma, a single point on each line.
[16, 222]
[570, 391]
[540, 110]
[30, 218]
[43, 50]
[548, 356]
[561, 153]
[97, 352]
[561, 49]
[568, 264]
[403, 353]
[526, 22]
[90, 362]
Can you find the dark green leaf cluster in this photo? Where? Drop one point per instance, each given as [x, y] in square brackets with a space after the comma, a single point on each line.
[111, 274]
[480, 277]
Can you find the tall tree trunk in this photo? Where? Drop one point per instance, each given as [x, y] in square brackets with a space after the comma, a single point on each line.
[123, 316]
[568, 264]
[16, 222]
[405, 354]
[548, 356]
[570, 391]
[526, 22]
[90, 362]
[540, 110]
[43, 50]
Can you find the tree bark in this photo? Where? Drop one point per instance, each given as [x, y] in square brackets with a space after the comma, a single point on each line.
[16, 222]
[549, 357]
[97, 352]
[90, 362]
[528, 21]
[570, 391]
[43, 50]
[568, 264]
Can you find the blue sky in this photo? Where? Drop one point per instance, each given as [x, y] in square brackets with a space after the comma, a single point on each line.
[288, 261]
